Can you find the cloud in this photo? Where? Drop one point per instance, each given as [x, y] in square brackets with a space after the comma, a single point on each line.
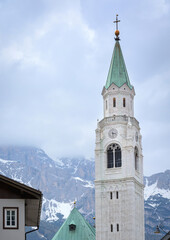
[54, 62]
[155, 9]
[38, 109]
[23, 55]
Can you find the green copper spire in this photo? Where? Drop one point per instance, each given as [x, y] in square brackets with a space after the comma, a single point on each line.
[117, 72]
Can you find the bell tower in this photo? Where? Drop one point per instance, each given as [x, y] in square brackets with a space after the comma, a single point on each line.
[119, 197]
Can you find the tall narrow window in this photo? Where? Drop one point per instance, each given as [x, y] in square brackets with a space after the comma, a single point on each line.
[110, 160]
[124, 102]
[114, 156]
[117, 157]
[111, 227]
[136, 159]
[117, 227]
[110, 195]
[117, 194]
[106, 104]
[114, 102]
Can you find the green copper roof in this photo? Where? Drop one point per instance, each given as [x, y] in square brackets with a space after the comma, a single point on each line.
[83, 231]
[117, 72]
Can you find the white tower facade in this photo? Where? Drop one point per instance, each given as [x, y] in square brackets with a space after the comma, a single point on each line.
[119, 196]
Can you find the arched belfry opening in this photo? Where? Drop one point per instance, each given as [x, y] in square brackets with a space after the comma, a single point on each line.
[136, 156]
[114, 156]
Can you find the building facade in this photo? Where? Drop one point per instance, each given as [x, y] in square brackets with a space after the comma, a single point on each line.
[20, 206]
[119, 196]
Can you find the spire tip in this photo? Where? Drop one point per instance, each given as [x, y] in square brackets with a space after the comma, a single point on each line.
[117, 31]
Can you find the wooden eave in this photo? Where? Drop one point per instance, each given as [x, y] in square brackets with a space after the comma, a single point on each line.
[11, 189]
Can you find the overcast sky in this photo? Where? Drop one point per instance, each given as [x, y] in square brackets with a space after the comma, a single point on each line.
[54, 60]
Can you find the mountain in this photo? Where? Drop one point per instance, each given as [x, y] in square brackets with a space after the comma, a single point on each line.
[157, 202]
[67, 179]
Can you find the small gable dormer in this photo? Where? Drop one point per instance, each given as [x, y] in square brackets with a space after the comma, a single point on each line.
[72, 226]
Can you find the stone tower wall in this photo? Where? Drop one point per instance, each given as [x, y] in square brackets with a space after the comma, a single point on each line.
[119, 190]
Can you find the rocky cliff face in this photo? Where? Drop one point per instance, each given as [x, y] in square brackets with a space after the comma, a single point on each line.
[66, 179]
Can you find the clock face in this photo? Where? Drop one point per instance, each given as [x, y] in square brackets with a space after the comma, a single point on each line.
[113, 133]
[136, 137]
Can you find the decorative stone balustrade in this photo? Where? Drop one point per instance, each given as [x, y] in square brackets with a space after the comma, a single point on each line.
[119, 118]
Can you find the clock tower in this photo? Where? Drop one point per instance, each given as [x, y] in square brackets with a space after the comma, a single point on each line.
[119, 198]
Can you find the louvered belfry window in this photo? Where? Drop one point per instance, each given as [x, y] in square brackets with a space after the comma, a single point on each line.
[114, 156]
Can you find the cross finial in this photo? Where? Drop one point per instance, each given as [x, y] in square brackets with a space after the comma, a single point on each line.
[117, 21]
[117, 31]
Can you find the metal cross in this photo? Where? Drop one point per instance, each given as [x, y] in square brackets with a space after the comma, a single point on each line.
[116, 21]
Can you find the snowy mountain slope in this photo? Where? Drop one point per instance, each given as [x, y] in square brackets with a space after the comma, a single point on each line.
[66, 179]
[155, 190]
[62, 181]
[157, 201]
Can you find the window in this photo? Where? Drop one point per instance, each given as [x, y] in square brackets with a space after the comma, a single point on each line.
[111, 227]
[117, 194]
[10, 217]
[117, 227]
[114, 156]
[110, 195]
[124, 102]
[114, 102]
[136, 153]
[72, 226]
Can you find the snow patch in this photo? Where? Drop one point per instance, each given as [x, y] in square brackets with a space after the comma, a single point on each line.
[154, 190]
[6, 161]
[79, 179]
[153, 205]
[29, 183]
[88, 184]
[14, 177]
[52, 207]
[58, 162]
[40, 151]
